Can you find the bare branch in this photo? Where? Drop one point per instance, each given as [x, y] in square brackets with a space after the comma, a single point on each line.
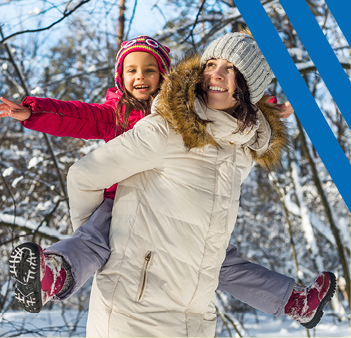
[159, 9]
[47, 218]
[196, 21]
[131, 20]
[65, 15]
[101, 69]
[307, 67]
[46, 137]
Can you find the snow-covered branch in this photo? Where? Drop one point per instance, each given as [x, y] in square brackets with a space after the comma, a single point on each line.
[20, 223]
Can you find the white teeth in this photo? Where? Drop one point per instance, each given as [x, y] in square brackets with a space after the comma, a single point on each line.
[218, 89]
[141, 87]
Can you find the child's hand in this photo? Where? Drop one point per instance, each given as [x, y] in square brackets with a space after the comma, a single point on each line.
[14, 110]
[285, 110]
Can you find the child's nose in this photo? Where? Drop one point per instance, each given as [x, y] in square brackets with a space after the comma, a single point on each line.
[140, 75]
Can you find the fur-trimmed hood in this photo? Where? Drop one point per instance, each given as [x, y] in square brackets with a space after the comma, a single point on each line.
[177, 99]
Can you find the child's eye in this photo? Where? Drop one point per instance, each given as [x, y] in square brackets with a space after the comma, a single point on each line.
[210, 64]
[150, 70]
[231, 67]
[131, 71]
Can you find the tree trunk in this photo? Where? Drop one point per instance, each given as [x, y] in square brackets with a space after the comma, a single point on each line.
[305, 219]
[327, 209]
[285, 210]
[121, 19]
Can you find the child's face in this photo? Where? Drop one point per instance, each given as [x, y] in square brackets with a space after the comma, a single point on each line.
[141, 74]
[219, 84]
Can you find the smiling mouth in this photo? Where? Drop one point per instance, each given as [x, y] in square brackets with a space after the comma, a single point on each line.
[217, 89]
[141, 87]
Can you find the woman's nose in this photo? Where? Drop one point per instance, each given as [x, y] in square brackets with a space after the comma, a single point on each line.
[218, 74]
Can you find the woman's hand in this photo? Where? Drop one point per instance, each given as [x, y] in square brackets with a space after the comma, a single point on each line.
[285, 109]
[14, 110]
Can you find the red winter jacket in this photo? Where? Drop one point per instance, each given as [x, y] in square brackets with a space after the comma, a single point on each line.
[79, 119]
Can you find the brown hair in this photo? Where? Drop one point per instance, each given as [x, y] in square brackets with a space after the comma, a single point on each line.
[130, 102]
[244, 111]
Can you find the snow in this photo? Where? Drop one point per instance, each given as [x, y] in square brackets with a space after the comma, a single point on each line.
[16, 180]
[46, 323]
[298, 52]
[305, 220]
[322, 228]
[52, 324]
[309, 64]
[71, 5]
[90, 147]
[34, 161]
[284, 327]
[27, 224]
[92, 68]
[35, 11]
[54, 262]
[37, 91]
[344, 227]
[7, 172]
[304, 65]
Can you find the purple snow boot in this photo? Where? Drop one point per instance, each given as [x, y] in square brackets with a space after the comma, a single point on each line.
[306, 305]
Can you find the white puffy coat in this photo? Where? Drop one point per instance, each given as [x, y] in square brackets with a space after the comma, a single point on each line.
[173, 215]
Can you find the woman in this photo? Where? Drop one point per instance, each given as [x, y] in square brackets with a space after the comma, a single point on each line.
[179, 171]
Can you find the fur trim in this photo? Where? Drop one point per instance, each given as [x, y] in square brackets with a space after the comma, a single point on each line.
[245, 31]
[177, 99]
[279, 139]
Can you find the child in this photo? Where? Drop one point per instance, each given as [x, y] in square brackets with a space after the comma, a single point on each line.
[88, 249]
[141, 65]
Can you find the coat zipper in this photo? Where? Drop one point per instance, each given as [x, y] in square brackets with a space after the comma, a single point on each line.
[143, 275]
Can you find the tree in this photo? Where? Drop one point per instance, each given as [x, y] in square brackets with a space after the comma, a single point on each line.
[78, 65]
[33, 166]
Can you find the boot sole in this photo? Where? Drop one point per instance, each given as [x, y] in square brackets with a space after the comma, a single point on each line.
[24, 265]
[319, 313]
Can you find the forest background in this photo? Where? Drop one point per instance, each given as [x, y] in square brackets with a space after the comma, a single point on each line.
[292, 221]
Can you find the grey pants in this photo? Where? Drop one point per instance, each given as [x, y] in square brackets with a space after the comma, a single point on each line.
[88, 250]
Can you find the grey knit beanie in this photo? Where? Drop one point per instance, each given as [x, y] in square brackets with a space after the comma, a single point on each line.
[241, 49]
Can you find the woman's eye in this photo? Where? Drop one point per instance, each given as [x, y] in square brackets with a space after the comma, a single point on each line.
[210, 64]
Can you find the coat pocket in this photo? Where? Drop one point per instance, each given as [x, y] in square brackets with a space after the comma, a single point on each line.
[143, 277]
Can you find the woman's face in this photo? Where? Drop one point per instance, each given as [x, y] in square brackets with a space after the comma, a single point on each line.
[219, 84]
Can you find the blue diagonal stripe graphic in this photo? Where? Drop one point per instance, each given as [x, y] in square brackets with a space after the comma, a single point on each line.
[298, 94]
[341, 10]
[321, 53]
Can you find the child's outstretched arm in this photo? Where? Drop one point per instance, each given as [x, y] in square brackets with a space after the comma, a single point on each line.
[69, 118]
[14, 110]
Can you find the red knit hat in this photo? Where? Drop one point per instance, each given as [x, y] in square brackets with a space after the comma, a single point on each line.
[142, 43]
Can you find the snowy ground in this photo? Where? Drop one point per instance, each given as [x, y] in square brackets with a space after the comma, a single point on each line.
[269, 326]
[52, 324]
